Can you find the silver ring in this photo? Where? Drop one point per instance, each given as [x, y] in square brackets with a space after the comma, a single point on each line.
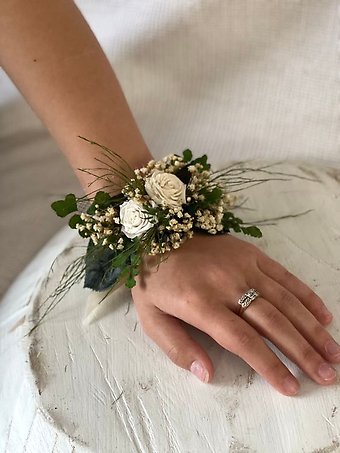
[247, 298]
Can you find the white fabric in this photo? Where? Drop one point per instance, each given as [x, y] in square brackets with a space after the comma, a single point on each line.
[241, 78]
[235, 79]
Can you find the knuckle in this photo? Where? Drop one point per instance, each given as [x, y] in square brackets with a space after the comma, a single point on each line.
[287, 298]
[319, 332]
[274, 317]
[243, 340]
[274, 368]
[194, 305]
[308, 354]
[192, 299]
[174, 354]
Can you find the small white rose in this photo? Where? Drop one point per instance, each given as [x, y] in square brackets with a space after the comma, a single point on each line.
[134, 220]
[165, 189]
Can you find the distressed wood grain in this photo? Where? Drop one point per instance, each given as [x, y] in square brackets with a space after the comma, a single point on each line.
[105, 386]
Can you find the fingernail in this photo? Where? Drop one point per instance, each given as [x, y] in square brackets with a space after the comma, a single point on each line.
[326, 372]
[291, 385]
[199, 371]
[332, 347]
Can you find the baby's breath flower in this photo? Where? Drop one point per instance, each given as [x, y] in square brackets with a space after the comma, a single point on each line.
[94, 239]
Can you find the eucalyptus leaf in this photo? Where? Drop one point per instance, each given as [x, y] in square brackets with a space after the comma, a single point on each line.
[99, 272]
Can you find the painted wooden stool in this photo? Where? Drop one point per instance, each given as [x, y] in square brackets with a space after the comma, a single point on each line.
[101, 385]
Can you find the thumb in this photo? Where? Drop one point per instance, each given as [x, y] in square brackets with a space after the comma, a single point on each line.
[170, 335]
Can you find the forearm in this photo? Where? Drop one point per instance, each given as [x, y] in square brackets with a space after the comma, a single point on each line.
[52, 56]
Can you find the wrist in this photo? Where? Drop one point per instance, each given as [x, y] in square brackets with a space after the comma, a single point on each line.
[95, 178]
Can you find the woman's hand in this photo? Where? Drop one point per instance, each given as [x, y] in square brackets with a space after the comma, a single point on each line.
[201, 282]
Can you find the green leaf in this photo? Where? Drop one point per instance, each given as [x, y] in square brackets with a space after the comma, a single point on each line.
[135, 259]
[203, 160]
[236, 227]
[74, 220]
[252, 231]
[135, 271]
[213, 196]
[100, 274]
[187, 155]
[120, 260]
[229, 221]
[92, 209]
[64, 207]
[229, 218]
[130, 282]
[102, 198]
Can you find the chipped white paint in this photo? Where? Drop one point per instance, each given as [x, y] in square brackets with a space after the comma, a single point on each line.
[107, 387]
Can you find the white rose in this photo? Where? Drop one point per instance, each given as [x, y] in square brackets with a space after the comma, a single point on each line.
[134, 220]
[165, 189]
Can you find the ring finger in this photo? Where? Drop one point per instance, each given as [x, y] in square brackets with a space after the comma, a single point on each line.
[275, 326]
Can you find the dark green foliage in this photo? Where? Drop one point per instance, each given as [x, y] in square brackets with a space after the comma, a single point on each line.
[252, 231]
[187, 155]
[104, 200]
[130, 282]
[104, 267]
[184, 175]
[100, 274]
[212, 196]
[203, 160]
[64, 207]
[74, 220]
[231, 222]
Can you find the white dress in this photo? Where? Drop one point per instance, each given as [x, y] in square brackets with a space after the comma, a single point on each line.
[236, 79]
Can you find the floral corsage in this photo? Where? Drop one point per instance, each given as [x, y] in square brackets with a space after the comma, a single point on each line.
[159, 207]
